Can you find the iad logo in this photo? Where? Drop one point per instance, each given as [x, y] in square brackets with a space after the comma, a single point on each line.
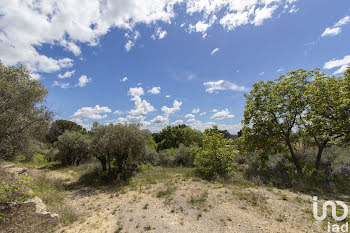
[333, 205]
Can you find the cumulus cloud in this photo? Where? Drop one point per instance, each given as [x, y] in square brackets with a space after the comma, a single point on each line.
[189, 116]
[221, 115]
[154, 90]
[167, 96]
[61, 85]
[203, 113]
[124, 79]
[176, 107]
[159, 34]
[83, 80]
[331, 31]
[195, 110]
[214, 51]
[159, 120]
[177, 122]
[222, 85]
[336, 29]
[90, 113]
[35, 76]
[142, 107]
[67, 74]
[342, 63]
[118, 112]
[25, 26]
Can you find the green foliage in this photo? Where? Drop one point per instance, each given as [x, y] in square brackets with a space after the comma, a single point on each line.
[216, 157]
[183, 157]
[58, 127]
[119, 148]
[173, 136]
[299, 107]
[13, 191]
[74, 148]
[23, 115]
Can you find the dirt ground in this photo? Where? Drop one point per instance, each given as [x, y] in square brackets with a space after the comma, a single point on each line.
[178, 203]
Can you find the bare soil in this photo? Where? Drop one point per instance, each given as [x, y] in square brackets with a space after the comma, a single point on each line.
[178, 203]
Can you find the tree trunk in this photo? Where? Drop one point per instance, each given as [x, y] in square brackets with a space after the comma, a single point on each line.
[319, 154]
[294, 157]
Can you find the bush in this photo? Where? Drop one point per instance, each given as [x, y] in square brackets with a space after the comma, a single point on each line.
[12, 189]
[216, 158]
[73, 148]
[166, 159]
[183, 157]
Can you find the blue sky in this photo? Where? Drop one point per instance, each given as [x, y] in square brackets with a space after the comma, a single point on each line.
[167, 62]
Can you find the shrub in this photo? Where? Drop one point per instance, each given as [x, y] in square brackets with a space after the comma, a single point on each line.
[166, 159]
[12, 189]
[216, 157]
[73, 148]
[183, 157]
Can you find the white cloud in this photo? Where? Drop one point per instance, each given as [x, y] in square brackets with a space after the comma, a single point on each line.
[25, 26]
[167, 96]
[191, 120]
[195, 110]
[331, 31]
[203, 113]
[154, 90]
[132, 40]
[159, 34]
[136, 91]
[118, 112]
[83, 80]
[343, 21]
[67, 74]
[159, 120]
[336, 29]
[214, 51]
[35, 76]
[224, 114]
[233, 20]
[222, 85]
[90, 113]
[124, 79]
[176, 107]
[61, 85]
[214, 110]
[261, 14]
[280, 70]
[189, 116]
[177, 122]
[262, 73]
[342, 63]
[142, 107]
[71, 46]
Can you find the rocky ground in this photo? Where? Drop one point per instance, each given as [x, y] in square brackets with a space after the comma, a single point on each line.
[171, 200]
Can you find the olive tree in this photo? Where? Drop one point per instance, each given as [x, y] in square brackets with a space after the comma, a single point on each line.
[23, 114]
[74, 148]
[119, 147]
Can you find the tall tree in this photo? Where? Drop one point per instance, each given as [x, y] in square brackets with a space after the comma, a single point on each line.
[58, 127]
[23, 113]
[327, 116]
[273, 109]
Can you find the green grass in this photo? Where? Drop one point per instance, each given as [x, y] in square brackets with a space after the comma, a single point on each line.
[51, 192]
